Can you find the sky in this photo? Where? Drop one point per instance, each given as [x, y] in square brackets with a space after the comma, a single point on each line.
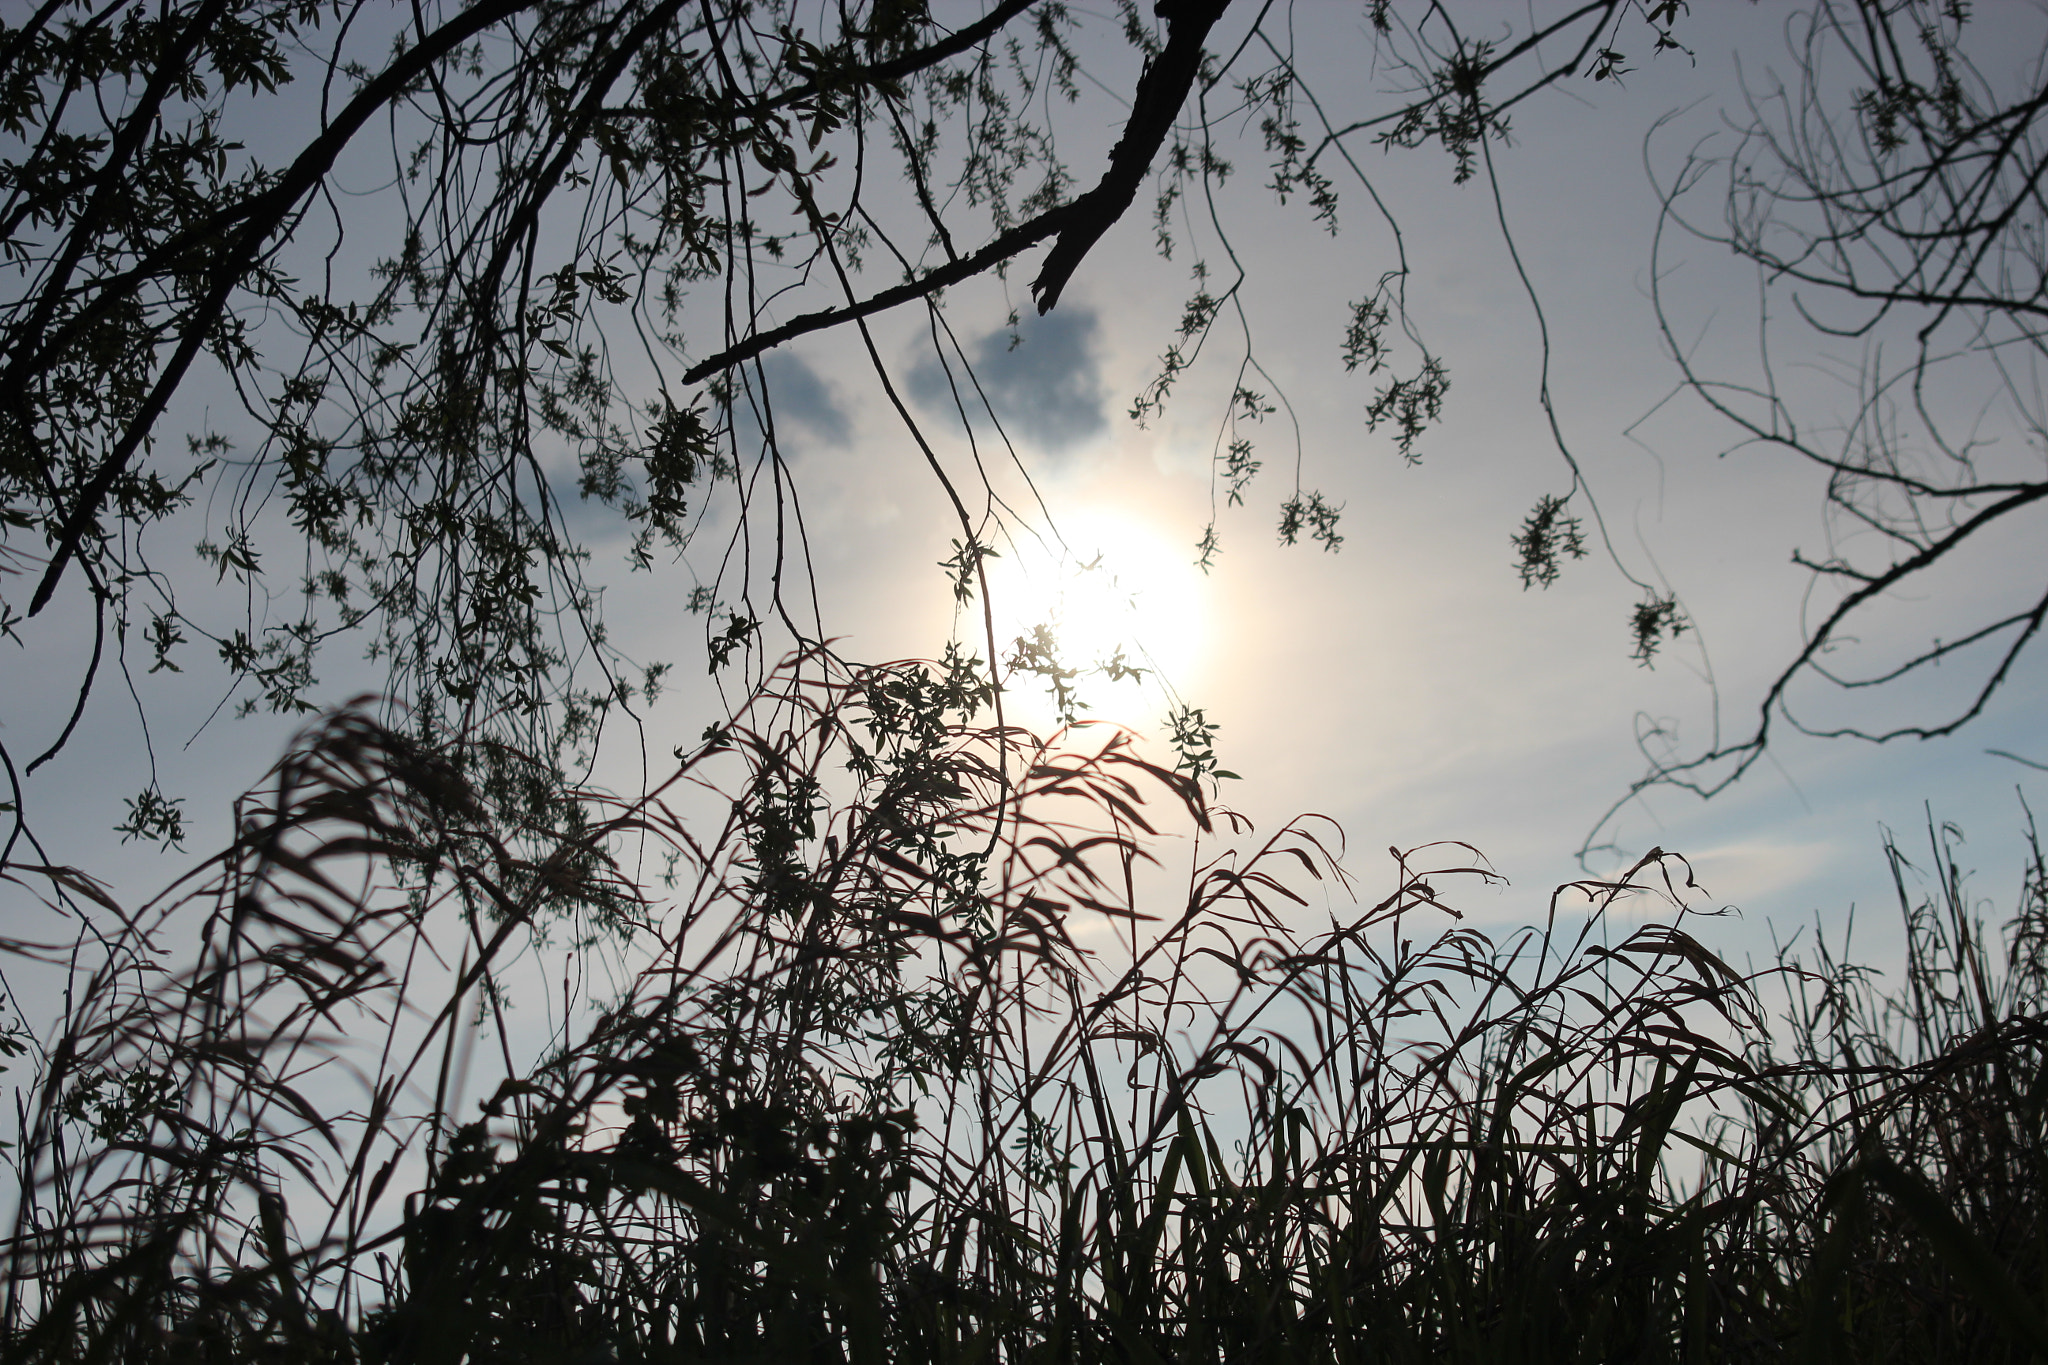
[1405, 685]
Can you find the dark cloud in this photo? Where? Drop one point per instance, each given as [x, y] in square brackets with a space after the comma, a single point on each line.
[802, 404]
[1041, 379]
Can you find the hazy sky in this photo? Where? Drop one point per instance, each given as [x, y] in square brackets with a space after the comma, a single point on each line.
[1406, 685]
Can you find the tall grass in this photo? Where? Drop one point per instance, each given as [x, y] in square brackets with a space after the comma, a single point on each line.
[907, 1058]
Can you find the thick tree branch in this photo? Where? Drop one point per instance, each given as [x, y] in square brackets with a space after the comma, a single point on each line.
[1161, 92]
[1079, 223]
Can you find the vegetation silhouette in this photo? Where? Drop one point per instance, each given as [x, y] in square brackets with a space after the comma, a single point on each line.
[880, 1033]
[904, 1061]
[409, 413]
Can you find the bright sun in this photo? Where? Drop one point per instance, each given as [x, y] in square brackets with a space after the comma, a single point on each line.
[1105, 583]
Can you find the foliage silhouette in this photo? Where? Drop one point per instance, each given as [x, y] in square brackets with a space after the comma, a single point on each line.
[593, 220]
[902, 1066]
[885, 1057]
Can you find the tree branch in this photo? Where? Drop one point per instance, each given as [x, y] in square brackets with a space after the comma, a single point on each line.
[270, 210]
[1079, 223]
[909, 64]
[1161, 92]
[953, 272]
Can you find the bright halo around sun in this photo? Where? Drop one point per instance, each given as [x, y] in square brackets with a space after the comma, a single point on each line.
[1114, 595]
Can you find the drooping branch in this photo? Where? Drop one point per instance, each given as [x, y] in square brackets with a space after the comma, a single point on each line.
[276, 205]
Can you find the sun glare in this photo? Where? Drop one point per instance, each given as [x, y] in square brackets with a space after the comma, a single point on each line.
[1110, 590]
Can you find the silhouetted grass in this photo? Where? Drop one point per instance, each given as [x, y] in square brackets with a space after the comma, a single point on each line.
[903, 1062]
